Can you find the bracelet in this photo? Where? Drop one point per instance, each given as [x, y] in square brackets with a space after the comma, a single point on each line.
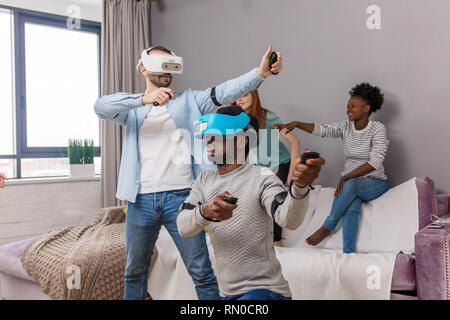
[201, 213]
[304, 196]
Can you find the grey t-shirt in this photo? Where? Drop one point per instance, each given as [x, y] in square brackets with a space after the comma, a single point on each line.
[245, 258]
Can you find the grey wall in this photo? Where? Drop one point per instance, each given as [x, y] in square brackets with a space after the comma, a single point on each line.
[326, 49]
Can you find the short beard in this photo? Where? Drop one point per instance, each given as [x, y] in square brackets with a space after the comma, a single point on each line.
[157, 83]
[214, 159]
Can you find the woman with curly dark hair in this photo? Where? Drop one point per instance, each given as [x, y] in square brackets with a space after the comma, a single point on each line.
[363, 178]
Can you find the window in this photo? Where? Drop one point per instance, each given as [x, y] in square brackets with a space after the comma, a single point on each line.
[6, 85]
[49, 82]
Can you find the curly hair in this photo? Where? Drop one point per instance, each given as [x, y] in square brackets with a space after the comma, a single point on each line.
[371, 94]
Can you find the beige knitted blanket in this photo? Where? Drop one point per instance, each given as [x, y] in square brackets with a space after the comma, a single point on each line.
[86, 262]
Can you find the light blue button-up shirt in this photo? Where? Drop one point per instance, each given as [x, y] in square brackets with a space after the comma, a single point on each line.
[127, 110]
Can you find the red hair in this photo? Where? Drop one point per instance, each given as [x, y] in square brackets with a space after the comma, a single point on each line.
[257, 110]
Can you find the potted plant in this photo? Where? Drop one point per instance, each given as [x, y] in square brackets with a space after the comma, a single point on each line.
[81, 158]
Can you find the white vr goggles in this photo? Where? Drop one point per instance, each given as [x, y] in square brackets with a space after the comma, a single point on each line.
[158, 64]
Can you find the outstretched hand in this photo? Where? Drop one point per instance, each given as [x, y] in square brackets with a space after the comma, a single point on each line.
[304, 174]
[287, 126]
[264, 70]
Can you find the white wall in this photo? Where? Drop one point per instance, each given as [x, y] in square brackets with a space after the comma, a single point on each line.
[327, 49]
[90, 9]
[27, 210]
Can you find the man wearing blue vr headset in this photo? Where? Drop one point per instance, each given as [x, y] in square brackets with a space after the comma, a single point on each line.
[152, 183]
[238, 203]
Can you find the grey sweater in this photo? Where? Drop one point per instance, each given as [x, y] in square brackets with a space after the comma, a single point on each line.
[243, 244]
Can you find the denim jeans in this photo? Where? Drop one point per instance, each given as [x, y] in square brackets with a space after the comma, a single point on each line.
[143, 222]
[347, 206]
[258, 294]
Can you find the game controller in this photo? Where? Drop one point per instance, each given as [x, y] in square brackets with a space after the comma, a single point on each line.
[157, 104]
[230, 200]
[272, 59]
[309, 155]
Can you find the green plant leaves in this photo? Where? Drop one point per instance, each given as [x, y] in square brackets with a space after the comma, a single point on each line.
[80, 152]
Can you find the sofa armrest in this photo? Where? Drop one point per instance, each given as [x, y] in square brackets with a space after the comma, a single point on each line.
[443, 204]
[432, 263]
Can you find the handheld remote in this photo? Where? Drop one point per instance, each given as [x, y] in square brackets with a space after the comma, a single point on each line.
[272, 59]
[157, 104]
[309, 155]
[230, 200]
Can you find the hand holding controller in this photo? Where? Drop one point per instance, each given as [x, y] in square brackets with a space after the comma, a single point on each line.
[158, 97]
[305, 173]
[272, 59]
[220, 207]
[157, 104]
[309, 155]
[230, 200]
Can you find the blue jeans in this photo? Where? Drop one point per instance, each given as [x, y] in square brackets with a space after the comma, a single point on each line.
[347, 206]
[258, 294]
[143, 222]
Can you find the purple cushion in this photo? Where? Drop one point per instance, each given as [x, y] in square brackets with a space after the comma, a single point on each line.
[10, 258]
[404, 275]
[427, 200]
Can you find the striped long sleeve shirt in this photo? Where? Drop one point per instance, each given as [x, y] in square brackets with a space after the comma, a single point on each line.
[368, 145]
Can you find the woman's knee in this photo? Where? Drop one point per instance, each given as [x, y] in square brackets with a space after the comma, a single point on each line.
[350, 186]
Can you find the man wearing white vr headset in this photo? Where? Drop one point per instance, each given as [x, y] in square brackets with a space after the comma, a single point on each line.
[153, 184]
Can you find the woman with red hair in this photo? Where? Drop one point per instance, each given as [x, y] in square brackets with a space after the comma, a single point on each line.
[282, 165]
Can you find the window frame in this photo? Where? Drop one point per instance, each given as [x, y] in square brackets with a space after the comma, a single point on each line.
[20, 17]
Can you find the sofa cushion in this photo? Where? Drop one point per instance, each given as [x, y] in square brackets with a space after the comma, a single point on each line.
[10, 255]
[404, 275]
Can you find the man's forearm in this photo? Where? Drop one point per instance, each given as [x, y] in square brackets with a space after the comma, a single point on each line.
[292, 212]
[109, 106]
[190, 222]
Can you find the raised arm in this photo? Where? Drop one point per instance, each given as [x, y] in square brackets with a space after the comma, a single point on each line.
[234, 89]
[288, 208]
